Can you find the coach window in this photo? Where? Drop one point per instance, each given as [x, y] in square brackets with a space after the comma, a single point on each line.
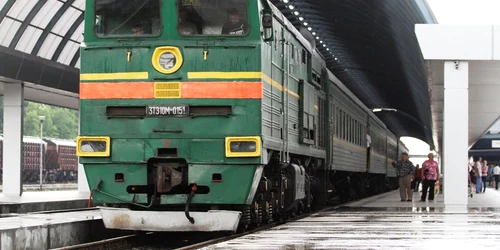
[346, 128]
[355, 132]
[363, 134]
[339, 125]
[342, 126]
[127, 18]
[337, 122]
[360, 135]
[351, 137]
[349, 128]
[346, 124]
[213, 18]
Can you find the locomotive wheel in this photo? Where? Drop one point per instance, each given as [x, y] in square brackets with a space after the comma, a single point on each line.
[245, 220]
[242, 228]
[269, 216]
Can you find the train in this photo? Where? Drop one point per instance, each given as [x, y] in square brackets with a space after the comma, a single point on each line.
[218, 115]
[60, 162]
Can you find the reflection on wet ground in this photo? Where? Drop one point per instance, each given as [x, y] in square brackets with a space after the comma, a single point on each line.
[368, 225]
[414, 209]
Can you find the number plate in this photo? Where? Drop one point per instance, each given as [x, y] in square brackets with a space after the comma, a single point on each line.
[167, 110]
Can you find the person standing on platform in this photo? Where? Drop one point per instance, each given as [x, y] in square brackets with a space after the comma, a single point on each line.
[431, 174]
[405, 170]
[496, 175]
[479, 181]
[478, 169]
[484, 174]
[491, 181]
[418, 177]
[473, 177]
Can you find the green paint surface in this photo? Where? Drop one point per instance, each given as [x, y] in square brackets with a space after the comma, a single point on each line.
[233, 189]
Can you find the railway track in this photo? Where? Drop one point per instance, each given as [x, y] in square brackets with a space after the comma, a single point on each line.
[146, 241]
[180, 241]
[48, 187]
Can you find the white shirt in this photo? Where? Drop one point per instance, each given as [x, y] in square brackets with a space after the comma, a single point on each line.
[496, 170]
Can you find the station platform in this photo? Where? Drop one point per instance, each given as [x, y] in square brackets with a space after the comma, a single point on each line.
[384, 222]
[39, 201]
[54, 230]
[391, 201]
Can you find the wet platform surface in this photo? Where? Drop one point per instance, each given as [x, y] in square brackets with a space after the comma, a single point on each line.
[34, 220]
[39, 201]
[44, 196]
[489, 199]
[384, 222]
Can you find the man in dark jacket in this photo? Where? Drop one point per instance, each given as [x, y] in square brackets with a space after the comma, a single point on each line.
[405, 170]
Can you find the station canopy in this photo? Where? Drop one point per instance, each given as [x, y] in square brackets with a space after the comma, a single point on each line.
[40, 41]
[372, 48]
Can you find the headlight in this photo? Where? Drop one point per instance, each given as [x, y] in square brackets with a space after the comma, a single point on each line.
[243, 146]
[167, 60]
[92, 146]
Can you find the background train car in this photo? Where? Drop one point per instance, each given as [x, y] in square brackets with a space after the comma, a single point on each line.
[348, 154]
[358, 150]
[378, 148]
[392, 155]
[31, 158]
[61, 162]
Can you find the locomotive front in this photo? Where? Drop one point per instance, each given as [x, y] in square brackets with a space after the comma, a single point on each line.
[171, 112]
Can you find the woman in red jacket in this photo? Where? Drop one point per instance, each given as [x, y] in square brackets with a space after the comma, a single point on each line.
[419, 175]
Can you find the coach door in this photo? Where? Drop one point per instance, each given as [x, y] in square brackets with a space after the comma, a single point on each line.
[368, 145]
[331, 134]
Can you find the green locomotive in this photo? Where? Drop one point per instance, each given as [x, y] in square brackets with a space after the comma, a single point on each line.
[207, 115]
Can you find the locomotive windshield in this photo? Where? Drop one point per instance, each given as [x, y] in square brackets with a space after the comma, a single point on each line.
[213, 17]
[127, 18]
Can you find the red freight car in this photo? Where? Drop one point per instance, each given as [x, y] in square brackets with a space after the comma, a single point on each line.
[61, 162]
[31, 158]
